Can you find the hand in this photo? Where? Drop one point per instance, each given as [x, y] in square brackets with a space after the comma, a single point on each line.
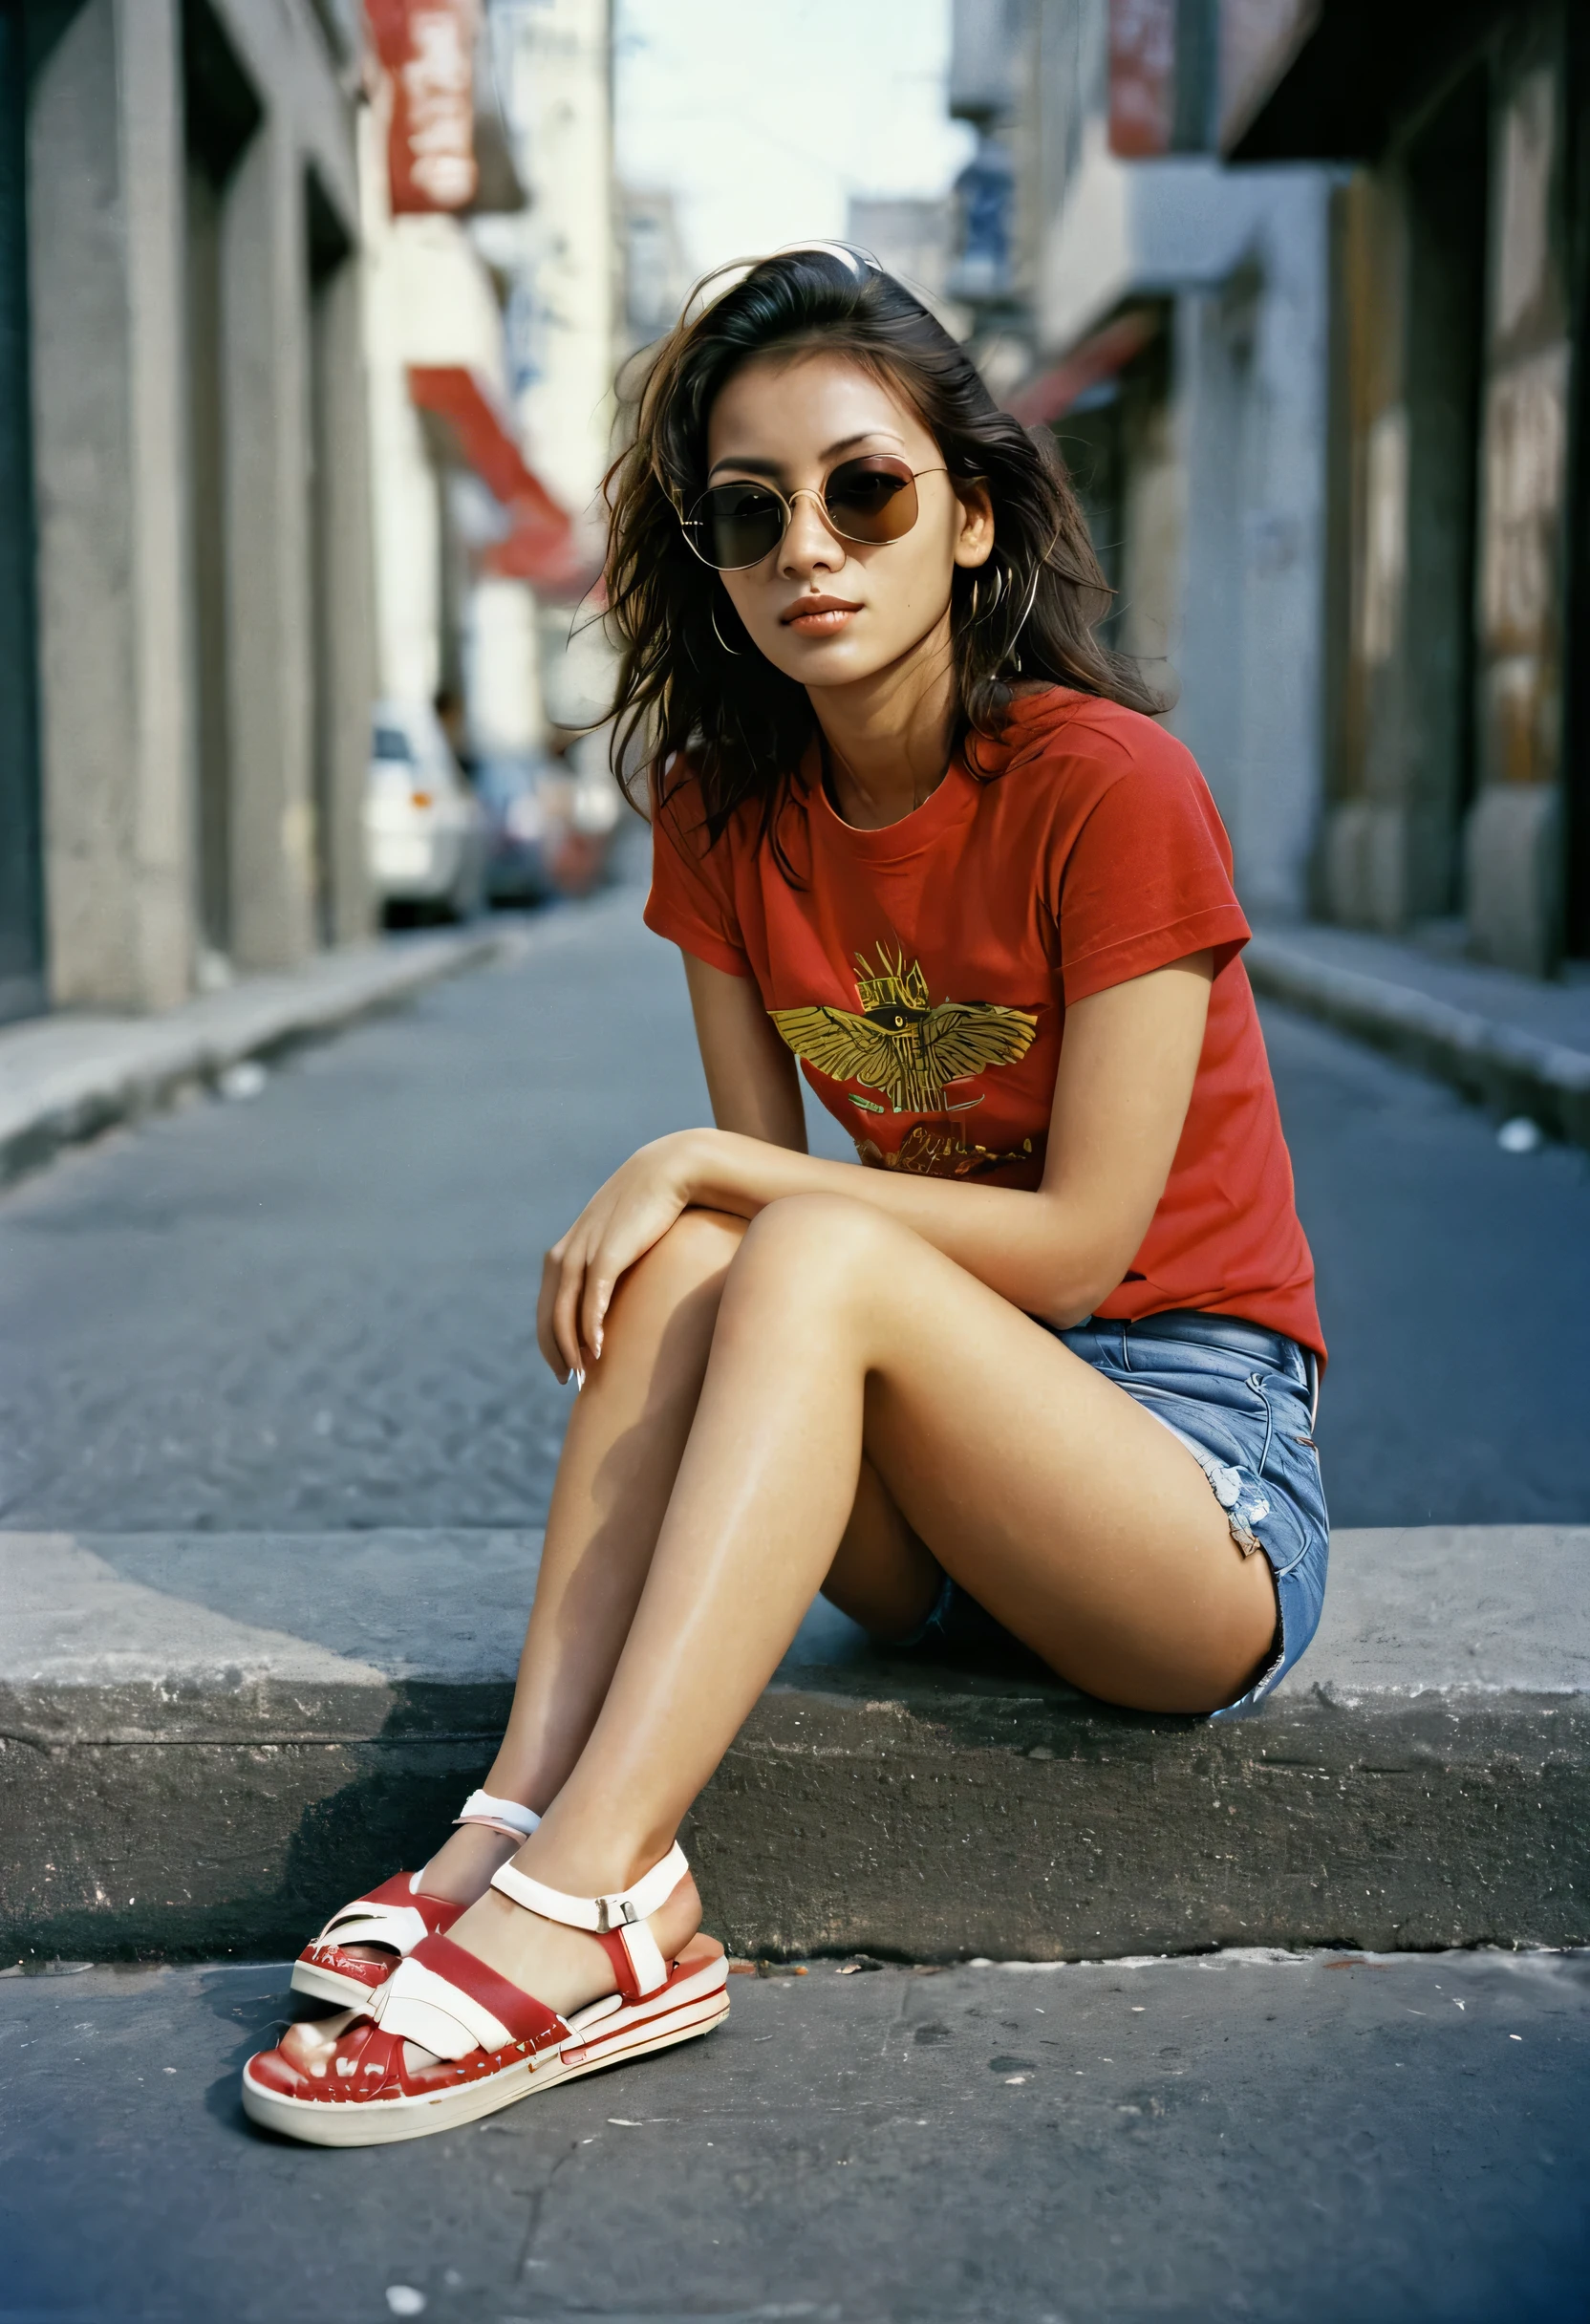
[634, 1210]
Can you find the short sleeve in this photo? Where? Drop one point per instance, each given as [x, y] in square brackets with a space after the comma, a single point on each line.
[1148, 879]
[692, 903]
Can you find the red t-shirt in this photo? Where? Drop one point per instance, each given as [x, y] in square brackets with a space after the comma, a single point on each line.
[922, 972]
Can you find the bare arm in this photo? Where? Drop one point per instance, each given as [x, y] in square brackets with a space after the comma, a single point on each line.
[1126, 1075]
[1121, 1094]
[751, 1076]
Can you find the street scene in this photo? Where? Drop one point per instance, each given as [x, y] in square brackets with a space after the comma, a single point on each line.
[327, 1003]
[247, 1330]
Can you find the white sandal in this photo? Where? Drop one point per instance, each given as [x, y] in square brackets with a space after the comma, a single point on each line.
[398, 1915]
[491, 2042]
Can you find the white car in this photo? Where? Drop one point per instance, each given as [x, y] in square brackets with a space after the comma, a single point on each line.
[425, 830]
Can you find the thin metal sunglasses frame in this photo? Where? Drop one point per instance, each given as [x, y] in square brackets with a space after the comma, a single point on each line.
[690, 522]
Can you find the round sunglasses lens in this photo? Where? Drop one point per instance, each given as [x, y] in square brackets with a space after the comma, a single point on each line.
[872, 500]
[739, 525]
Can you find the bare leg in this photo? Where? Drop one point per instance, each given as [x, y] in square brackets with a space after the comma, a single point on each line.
[620, 1457]
[625, 1438]
[1079, 1521]
[883, 1575]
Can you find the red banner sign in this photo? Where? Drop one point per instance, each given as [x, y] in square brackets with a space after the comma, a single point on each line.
[428, 50]
[540, 544]
[1142, 78]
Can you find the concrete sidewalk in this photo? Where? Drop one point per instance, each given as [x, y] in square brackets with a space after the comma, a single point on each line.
[1517, 1046]
[68, 1077]
[1302, 2140]
[208, 1741]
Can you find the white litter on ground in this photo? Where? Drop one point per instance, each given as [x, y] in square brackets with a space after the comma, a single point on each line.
[237, 1083]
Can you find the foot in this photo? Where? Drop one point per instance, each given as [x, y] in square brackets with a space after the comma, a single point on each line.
[564, 1968]
[460, 1871]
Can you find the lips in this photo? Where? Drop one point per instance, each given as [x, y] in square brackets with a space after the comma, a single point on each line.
[819, 616]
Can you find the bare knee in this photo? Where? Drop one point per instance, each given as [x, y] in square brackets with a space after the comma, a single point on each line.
[699, 1243]
[680, 1279]
[817, 1239]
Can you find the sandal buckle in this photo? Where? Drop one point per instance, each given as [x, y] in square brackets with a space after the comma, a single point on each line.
[613, 1913]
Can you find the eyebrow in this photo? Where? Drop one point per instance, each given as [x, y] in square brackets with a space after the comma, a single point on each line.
[775, 468]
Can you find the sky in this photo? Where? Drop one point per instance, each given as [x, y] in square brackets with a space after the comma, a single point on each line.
[765, 115]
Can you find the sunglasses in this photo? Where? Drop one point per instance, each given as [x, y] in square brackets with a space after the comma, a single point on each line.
[871, 498]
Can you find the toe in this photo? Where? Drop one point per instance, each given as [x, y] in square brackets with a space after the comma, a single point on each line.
[312, 2041]
[273, 2070]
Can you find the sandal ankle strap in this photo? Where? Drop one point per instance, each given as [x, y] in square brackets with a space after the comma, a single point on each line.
[504, 1815]
[619, 1920]
[597, 1913]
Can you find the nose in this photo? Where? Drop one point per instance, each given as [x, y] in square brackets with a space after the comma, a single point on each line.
[808, 546]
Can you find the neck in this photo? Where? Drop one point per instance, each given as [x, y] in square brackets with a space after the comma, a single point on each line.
[889, 734]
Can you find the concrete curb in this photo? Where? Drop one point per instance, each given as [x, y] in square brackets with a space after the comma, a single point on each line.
[208, 1742]
[68, 1078]
[1504, 1067]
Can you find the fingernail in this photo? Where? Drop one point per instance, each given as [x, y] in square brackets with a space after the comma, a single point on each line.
[579, 1381]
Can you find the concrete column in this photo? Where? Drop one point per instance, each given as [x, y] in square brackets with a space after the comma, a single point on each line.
[1283, 424]
[508, 715]
[266, 402]
[345, 597]
[1210, 372]
[1365, 851]
[105, 196]
[22, 988]
[1249, 366]
[1515, 843]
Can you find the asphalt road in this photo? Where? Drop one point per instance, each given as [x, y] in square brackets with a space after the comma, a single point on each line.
[316, 1309]
[1302, 2140]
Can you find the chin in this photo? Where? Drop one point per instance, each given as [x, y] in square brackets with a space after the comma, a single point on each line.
[827, 661]
[815, 664]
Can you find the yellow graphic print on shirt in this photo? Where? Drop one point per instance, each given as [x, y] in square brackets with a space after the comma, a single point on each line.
[934, 1150]
[900, 1044]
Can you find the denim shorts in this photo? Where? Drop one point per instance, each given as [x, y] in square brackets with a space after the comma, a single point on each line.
[1241, 1399]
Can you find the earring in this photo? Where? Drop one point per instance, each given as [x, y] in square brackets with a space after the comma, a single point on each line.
[1032, 600]
[996, 597]
[719, 634]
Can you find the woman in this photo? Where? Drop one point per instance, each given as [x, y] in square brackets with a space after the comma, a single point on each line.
[1044, 1368]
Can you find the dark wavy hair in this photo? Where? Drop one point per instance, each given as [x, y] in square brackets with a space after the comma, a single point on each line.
[745, 725]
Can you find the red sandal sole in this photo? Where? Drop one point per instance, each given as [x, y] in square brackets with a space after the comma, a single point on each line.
[633, 2032]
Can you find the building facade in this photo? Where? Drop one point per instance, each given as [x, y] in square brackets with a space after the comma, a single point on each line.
[1460, 575]
[186, 632]
[1175, 339]
[460, 523]
[656, 265]
[563, 259]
